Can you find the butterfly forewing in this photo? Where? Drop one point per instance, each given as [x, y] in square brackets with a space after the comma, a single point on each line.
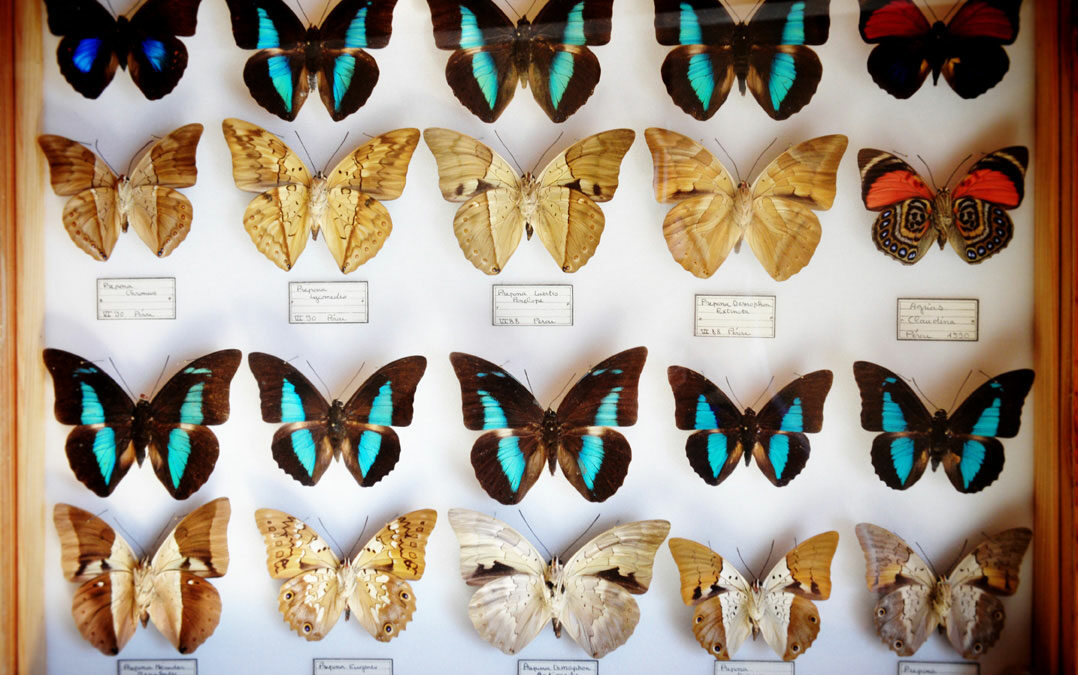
[491, 398]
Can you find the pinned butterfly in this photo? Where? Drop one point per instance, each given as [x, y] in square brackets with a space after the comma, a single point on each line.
[768, 53]
[521, 437]
[372, 586]
[102, 204]
[291, 203]
[966, 443]
[358, 430]
[112, 431]
[118, 590]
[590, 595]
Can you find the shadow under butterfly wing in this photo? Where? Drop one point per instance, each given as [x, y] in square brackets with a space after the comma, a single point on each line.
[981, 226]
[900, 454]
[782, 449]
[715, 449]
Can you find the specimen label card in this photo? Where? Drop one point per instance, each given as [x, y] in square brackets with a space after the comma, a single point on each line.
[754, 667]
[364, 666]
[750, 316]
[939, 668]
[542, 305]
[557, 667]
[943, 319]
[147, 298]
[327, 302]
[157, 667]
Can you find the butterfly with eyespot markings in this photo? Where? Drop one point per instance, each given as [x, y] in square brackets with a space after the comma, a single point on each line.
[913, 599]
[778, 606]
[292, 60]
[372, 586]
[775, 436]
[93, 43]
[968, 50]
[102, 204]
[491, 53]
[521, 437]
[973, 216]
[966, 442]
[291, 203]
[118, 590]
[713, 216]
[357, 430]
[769, 53]
[112, 431]
[589, 595]
[559, 202]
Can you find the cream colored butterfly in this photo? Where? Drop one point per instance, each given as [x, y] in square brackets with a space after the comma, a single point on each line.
[713, 215]
[373, 586]
[588, 596]
[559, 203]
[293, 204]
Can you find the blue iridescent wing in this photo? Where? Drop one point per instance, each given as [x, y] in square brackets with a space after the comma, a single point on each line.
[782, 449]
[888, 404]
[783, 72]
[715, 449]
[347, 74]
[563, 72]
[87, 51]
[595, 460]
[699, 71]
[156, 58]
[276, 74]
[507, 462]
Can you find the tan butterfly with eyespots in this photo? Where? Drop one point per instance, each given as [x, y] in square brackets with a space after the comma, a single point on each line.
[373, 586]
[292, 204]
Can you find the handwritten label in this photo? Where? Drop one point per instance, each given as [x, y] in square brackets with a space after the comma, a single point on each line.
[327, 302]
[751, 316]
[754, 667]
[365, 666]
[945, 319]
[150, 298]
[157, 667]
[555, 667]
[519, 305]
[937, 668]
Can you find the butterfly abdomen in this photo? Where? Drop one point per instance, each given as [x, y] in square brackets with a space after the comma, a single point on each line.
[551, 438]
[748, 433]
[140, 428]
[939, 438]
[335, 422]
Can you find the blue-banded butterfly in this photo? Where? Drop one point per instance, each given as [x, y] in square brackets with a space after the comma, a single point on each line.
[491, 54]
[769, 53]
[724, 435]
[93, 43]
[357, 430]
[112, 431]
[966, 442]
[521, 437]
[292, 60]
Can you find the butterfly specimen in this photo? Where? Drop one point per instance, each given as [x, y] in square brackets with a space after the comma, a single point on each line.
[373, 586]
[778, 606]
[491, 53]
[713, 216]
[968, 50]
[292, 203]
[973, 217]
[521, 437]
[767, 53]
[93, 43]
[775, 436]
[589, 595]
[966, 442]
[559, 202]
[103, 204]
[913, 599]
[112, 431]
[292, 60]
[118, 590]
[357, 430]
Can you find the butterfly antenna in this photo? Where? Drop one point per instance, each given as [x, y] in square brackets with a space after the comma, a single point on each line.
[564, 387]
[511, 155]
[530, 8]
[922, 392]
[931, 11]
[299, 5]
[770, 551]
[537, 162]
[730, 387]
[769, 383]
[109, 4]
[122, 380]
[305, 151]
[348, 386]
[929, 560]
[573, 542]
[339, 146]
[762, 153]
[731, 158]
[131, 540]
[325, 10]
[730, 8]
[359, 540]
[322, 527]
[957, 167]
[744, 565]
[160, 375]
[324, 386]
[959, 391]
[549, 557]
[97, 148]
[932, 178]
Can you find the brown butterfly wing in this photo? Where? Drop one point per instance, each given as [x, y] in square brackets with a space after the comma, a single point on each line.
[160, 215]
[90, 216]
[720, 621]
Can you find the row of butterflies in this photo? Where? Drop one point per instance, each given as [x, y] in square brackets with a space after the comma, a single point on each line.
[712, 216]
[589, 595]
[768, 54]
[520, 437]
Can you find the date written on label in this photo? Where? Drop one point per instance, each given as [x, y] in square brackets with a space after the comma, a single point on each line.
[942, 319]
[327, 302]
[940, 668]
[148, 298]
[364, 666]
[544, 305]
[754, 667]
[751, 316]
[556, 667]
[157, 667]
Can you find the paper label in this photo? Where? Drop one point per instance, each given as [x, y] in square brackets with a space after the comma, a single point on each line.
[149, 298]
[364, 666]
[751, 316]
[754, 667]
[556, 667]
[543, 305]
[945, 319]
[327, 302]
[937, 668]
[157, 667]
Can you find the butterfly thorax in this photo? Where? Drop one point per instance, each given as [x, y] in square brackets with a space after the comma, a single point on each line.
[551, 437]
[741, 47]
[936, 49]
[318, 204]
[939, 437]
[123, 36]
[528, 201]
[336, 423]
[125, 197]
[554, 589]
[940, 602]
[346, 581]
[742, 210]
[140, 427]
[522, 42]
[756, 606]
[747, 433]
[943, 217]
[312, 54]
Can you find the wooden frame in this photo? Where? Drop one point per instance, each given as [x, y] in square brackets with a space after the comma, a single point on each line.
[22, 398]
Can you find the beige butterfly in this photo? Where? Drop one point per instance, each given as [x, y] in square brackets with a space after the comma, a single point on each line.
[559, 202]
[713, 215]
[102, 204]
[373, 586]
[588, 596]
[963, 604]
[169, 589]
[292, 204]
[778, 606]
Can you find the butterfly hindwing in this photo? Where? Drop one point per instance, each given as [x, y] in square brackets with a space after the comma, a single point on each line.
[715, 449]
[905, 228]
[507, 462]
